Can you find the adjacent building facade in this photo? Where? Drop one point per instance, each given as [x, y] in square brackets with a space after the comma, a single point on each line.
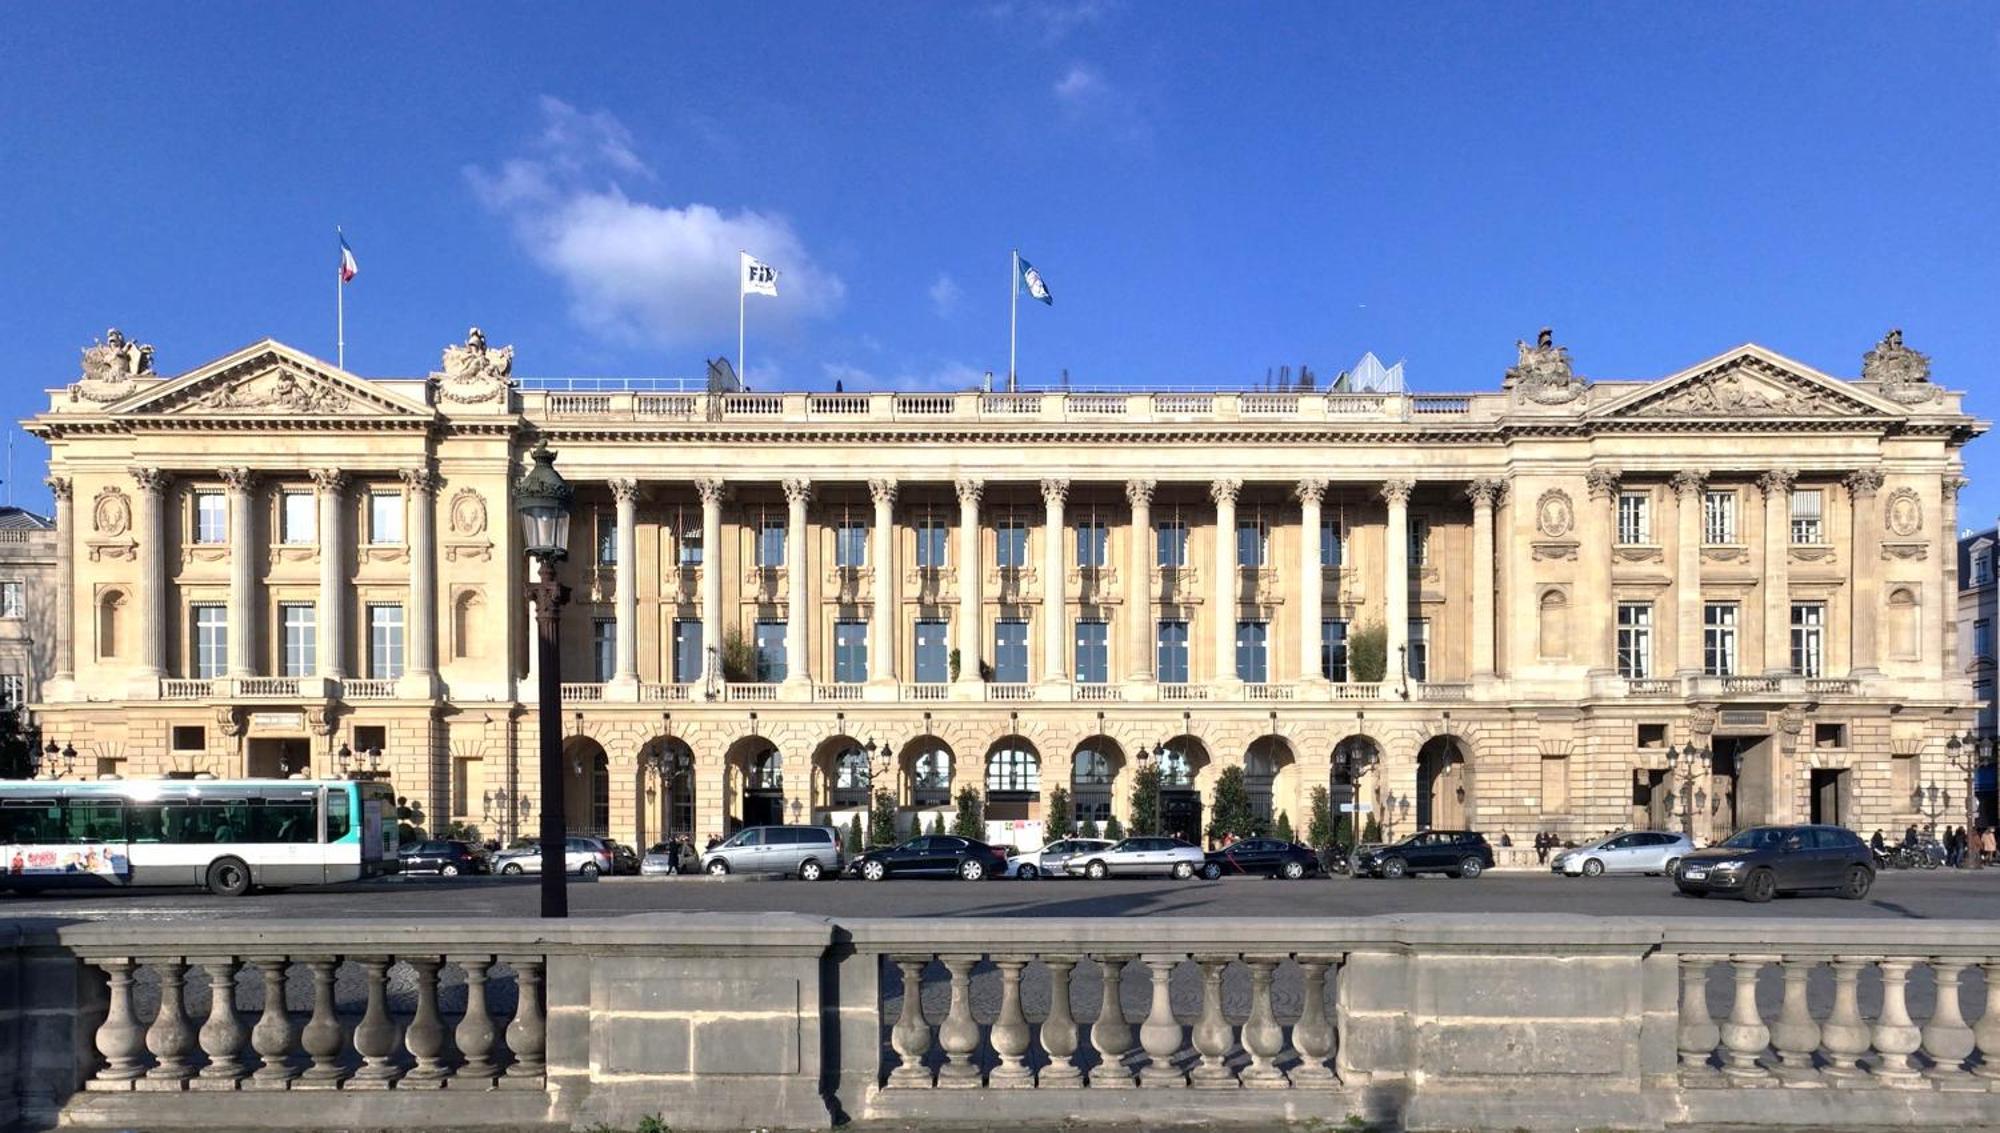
[1502, 609]
[1978, 607]
[27, 604]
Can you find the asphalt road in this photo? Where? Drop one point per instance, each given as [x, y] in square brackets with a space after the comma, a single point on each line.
[1942, 894]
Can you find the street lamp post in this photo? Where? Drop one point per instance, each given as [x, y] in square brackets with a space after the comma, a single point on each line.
[1964, 754]
[1685, 764]
[46, 757]
[542, 498]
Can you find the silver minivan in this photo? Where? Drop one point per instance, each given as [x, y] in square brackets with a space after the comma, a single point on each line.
[806, 852]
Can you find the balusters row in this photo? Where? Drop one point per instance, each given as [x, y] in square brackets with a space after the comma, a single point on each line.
[1158, 1059]
[1843, 1049]
[171, 1053]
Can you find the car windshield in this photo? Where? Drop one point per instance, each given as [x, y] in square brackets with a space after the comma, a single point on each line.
[1755, 838]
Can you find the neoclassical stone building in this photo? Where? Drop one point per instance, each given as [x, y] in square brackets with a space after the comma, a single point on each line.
[781, 597]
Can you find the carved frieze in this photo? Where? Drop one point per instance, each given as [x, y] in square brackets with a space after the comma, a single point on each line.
[276, 390]
[1739, 390]
[1631, 553]
[1725, 553]
[1813, 553]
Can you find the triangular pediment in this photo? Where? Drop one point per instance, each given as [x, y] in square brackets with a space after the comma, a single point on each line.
[268, 379]
[1748, 383]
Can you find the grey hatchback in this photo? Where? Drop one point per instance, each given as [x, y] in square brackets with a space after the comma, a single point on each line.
[806, 852]
[1759, 863]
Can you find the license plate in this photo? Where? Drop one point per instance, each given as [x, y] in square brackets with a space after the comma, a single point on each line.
[1695, 874]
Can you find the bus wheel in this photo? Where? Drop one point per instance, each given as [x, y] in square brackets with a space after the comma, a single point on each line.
[228, 877]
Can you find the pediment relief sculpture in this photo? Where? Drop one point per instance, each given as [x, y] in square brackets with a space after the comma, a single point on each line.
[276, 390]
[1902, 374]
[473, 372]
[1744, 389]
[111, 368]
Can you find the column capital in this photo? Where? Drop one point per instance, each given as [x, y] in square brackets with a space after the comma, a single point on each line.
[969, 491]
[1602, 482]
[1952, 484]
[332, 481]
[421, 481]
[151, 481]
[237, 480]
[798, 490]
[624, 490]
[1485, 493]
[711, 489]
[1863, 482]
[1225, 491]
[1777, 481]
[60, 487]
[1311, 491]
[1139, 493]
[1055, 490]
[882, 491]
[1397, 492]
[1689, 482]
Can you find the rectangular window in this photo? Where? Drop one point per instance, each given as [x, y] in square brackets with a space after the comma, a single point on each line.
[1809, 639]
[1420, 649]
[771, 543]
[299, 520]
[690, 548]
[189, 737]
[1333, 650]
[1718, 518]
[1555, 784]
[13, 599]
[1251, 540]
[296, 625]
[850, 652]
[1172, 544]
[850, 544]
[1982, 637]
[1635, 640]
[687, 650]
[385, 642]
[13, 690]
[211, 642]
[385, 518]
[931, 544]
[1252, 663]
[1982, 566]
[1718, 639]
[1635, 524]
[1010, 544]
[607, 538]
[1010, 651]
[1420, 542]
[769, 642]
[604, 648]
[1172, 652]
[1093, 652]
[211, 518]
[1807, 525]
[1332, 544]
[1092, 545]
[933, 660]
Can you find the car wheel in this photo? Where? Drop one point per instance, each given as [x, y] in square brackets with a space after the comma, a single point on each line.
[809, 870]
[718, 868]
[589, 871]
[1293, 871]
[228, 877]
[971, 870]
[511, 869]
[873, 871]
[1096, 871]
[1028, 872]
[1471, 867]
[1762, 886]
[447, 870]
[1394, 868]
[1857, 882]
[1211, 871]
[1673, 867]
[1183, 870]
[1593, 868]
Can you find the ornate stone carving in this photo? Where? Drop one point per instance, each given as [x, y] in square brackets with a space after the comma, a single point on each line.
[1638, 554]
[420, 481]
[330, 480]
[1738, 390]
[1054, 491]
[1554, 516]
[623, 490]
[1791, 720]
[797, 491]
[281, 390]
[151, 479]
[1139, 492]
[473, 373]
[1902, 374]
[60, 488]
[1541, 373]
[969, 491]
[111, 514]
[882, 492]
[230, 721]
[1701, 719]
[1398, 491]
[111, 367]
[1903, 513]
[1722, 553]
[711, 490]
[1777, 481]
[1311, 491]
[1602, 483]
[1485, 493]
[468, 513]
[1225, 491]
[321, 721]
[1913, 552]
[1555, 551]
[1952, 485]
[237, 479]
[1863, 482]
[1812, 554]
[1690, 482]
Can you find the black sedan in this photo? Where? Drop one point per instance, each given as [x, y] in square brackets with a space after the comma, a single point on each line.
[1456, 853]
[1261, 857]
[1759, 863]
[447, 859]
[932, 855]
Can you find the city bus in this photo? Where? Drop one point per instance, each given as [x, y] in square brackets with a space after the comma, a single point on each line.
[225, 835]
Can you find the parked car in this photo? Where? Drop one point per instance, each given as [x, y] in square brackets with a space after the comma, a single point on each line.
[444, 858]
[1633, 851]
[1048, 861]
[1458, 853]
[1138, 857]
[585, 857]
[806, 852]
[1263, 857]
[1759, 863]
[624, 859]
[932, 855]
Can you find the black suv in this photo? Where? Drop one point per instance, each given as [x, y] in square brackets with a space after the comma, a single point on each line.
[447, 859]
[1759, 863]
[932, 855]
[1459, 853]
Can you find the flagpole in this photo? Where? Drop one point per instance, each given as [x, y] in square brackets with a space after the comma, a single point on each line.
[339, 309]
[741, 368]
[1013, 316]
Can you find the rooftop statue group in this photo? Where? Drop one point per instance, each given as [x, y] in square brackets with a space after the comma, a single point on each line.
[110, 366]
[1541, 373]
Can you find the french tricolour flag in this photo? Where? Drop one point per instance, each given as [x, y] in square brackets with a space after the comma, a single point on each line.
[348, 268]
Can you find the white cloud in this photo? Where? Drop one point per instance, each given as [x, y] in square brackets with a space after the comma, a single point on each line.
[945, 294]
[1055, 21]
[1093, 103]
[637, 272]
[1080, 84]
[941, 378]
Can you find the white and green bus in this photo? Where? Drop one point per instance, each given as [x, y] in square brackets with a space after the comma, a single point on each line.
[225, 835]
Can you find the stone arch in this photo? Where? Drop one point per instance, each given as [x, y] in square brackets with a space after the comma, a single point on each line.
[667, 786]
[1270, 775]
[1905, 624]
[1183, 764]
[1552, 624]
[1013, 780]
[586, 787]
[1444, 784]
[928, 766]
[843, 774]
[754, 783]
[111, 624]
[1096, 768]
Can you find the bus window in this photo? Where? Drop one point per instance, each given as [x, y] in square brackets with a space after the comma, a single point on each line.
[146, 822]
[30, 820]
[339, 815]
[284, 820]
[95, 820]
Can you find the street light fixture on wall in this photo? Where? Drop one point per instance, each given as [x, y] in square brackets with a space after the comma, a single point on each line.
[543, 499]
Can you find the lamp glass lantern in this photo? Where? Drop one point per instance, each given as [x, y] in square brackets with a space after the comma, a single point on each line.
[543, 500]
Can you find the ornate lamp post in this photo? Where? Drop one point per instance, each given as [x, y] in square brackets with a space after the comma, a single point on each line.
[1932, 801]
[46, 758]
[1965, 755]
[543, 499]
[1685, 764]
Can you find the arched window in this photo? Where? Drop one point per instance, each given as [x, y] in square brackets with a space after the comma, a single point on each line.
[1013, 769]
[1554, 624]
[931, 785]
[110, 621]
[852, 777]
[1175, 772]
[466, 612]
[1905, 623]
[767, 772]
[1093, 769]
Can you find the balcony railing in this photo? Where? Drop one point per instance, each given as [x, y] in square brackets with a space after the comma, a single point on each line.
[1750, 684]
[1666, 686]
[1183, 691]
[1097, 692]
[1255, 691]
[1444, 692]
[582, 692]
[737, 692]
[837, 693]
[1357, 690]
[181, 688]
[926, 691]
[268, 686]
[368, 689]
[1832, 686]
[664, 694]
[1010, 692]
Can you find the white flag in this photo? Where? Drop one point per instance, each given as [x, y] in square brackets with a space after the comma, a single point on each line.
[759, 278]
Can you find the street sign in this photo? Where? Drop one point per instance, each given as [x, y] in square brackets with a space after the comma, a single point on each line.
[1356, 808]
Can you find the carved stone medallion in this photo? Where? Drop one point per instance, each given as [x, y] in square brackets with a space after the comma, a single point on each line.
[1903, 512]
[1554, 516]
[111, 515]
[468, 513]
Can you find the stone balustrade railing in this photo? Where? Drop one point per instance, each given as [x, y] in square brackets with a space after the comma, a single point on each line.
[778, 1020]
[1041, 406]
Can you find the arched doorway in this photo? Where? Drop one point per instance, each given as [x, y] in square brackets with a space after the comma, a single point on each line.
[1180, 762]
[1266, 764]
[587, 790]
[1093, 773]
[1014, 792]
[843, 775]
[666, 767]
[927, 768]
[757, 771]
[1443, 785]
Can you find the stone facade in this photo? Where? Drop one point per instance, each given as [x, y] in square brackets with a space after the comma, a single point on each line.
[28, 602]
[271, 559]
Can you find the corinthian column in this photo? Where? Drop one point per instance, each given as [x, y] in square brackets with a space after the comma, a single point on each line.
[65, 620]
[1597, 643]
[1866, 567]
[1224, 492]
[1952, 485]
[152, 539]
[1484, 494]
[420, 673]
[625, 652]
[1054, 623]
[1777, 488]
[1311, 494]
[1139, 581]
[242, 571]
[1690, 489]
[331, 484]
[882, 621]
[1396, 586]
[711, 576]
[798, 614]
[970, 609]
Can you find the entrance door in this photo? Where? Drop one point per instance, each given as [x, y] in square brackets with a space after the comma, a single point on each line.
[1180, 815]
[1650, 791]
[1726, 817]
[1441, 786]
[1829, 796]
[278, 758]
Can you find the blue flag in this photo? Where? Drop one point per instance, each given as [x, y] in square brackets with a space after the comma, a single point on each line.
[1033, 284]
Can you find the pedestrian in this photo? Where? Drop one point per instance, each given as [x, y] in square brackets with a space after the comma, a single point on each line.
[714, 840]
[1987, 845]
[1878, 843]
[1542, 839]
[1910, 837]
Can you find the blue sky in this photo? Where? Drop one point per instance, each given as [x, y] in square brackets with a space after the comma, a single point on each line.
[1211, 190]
